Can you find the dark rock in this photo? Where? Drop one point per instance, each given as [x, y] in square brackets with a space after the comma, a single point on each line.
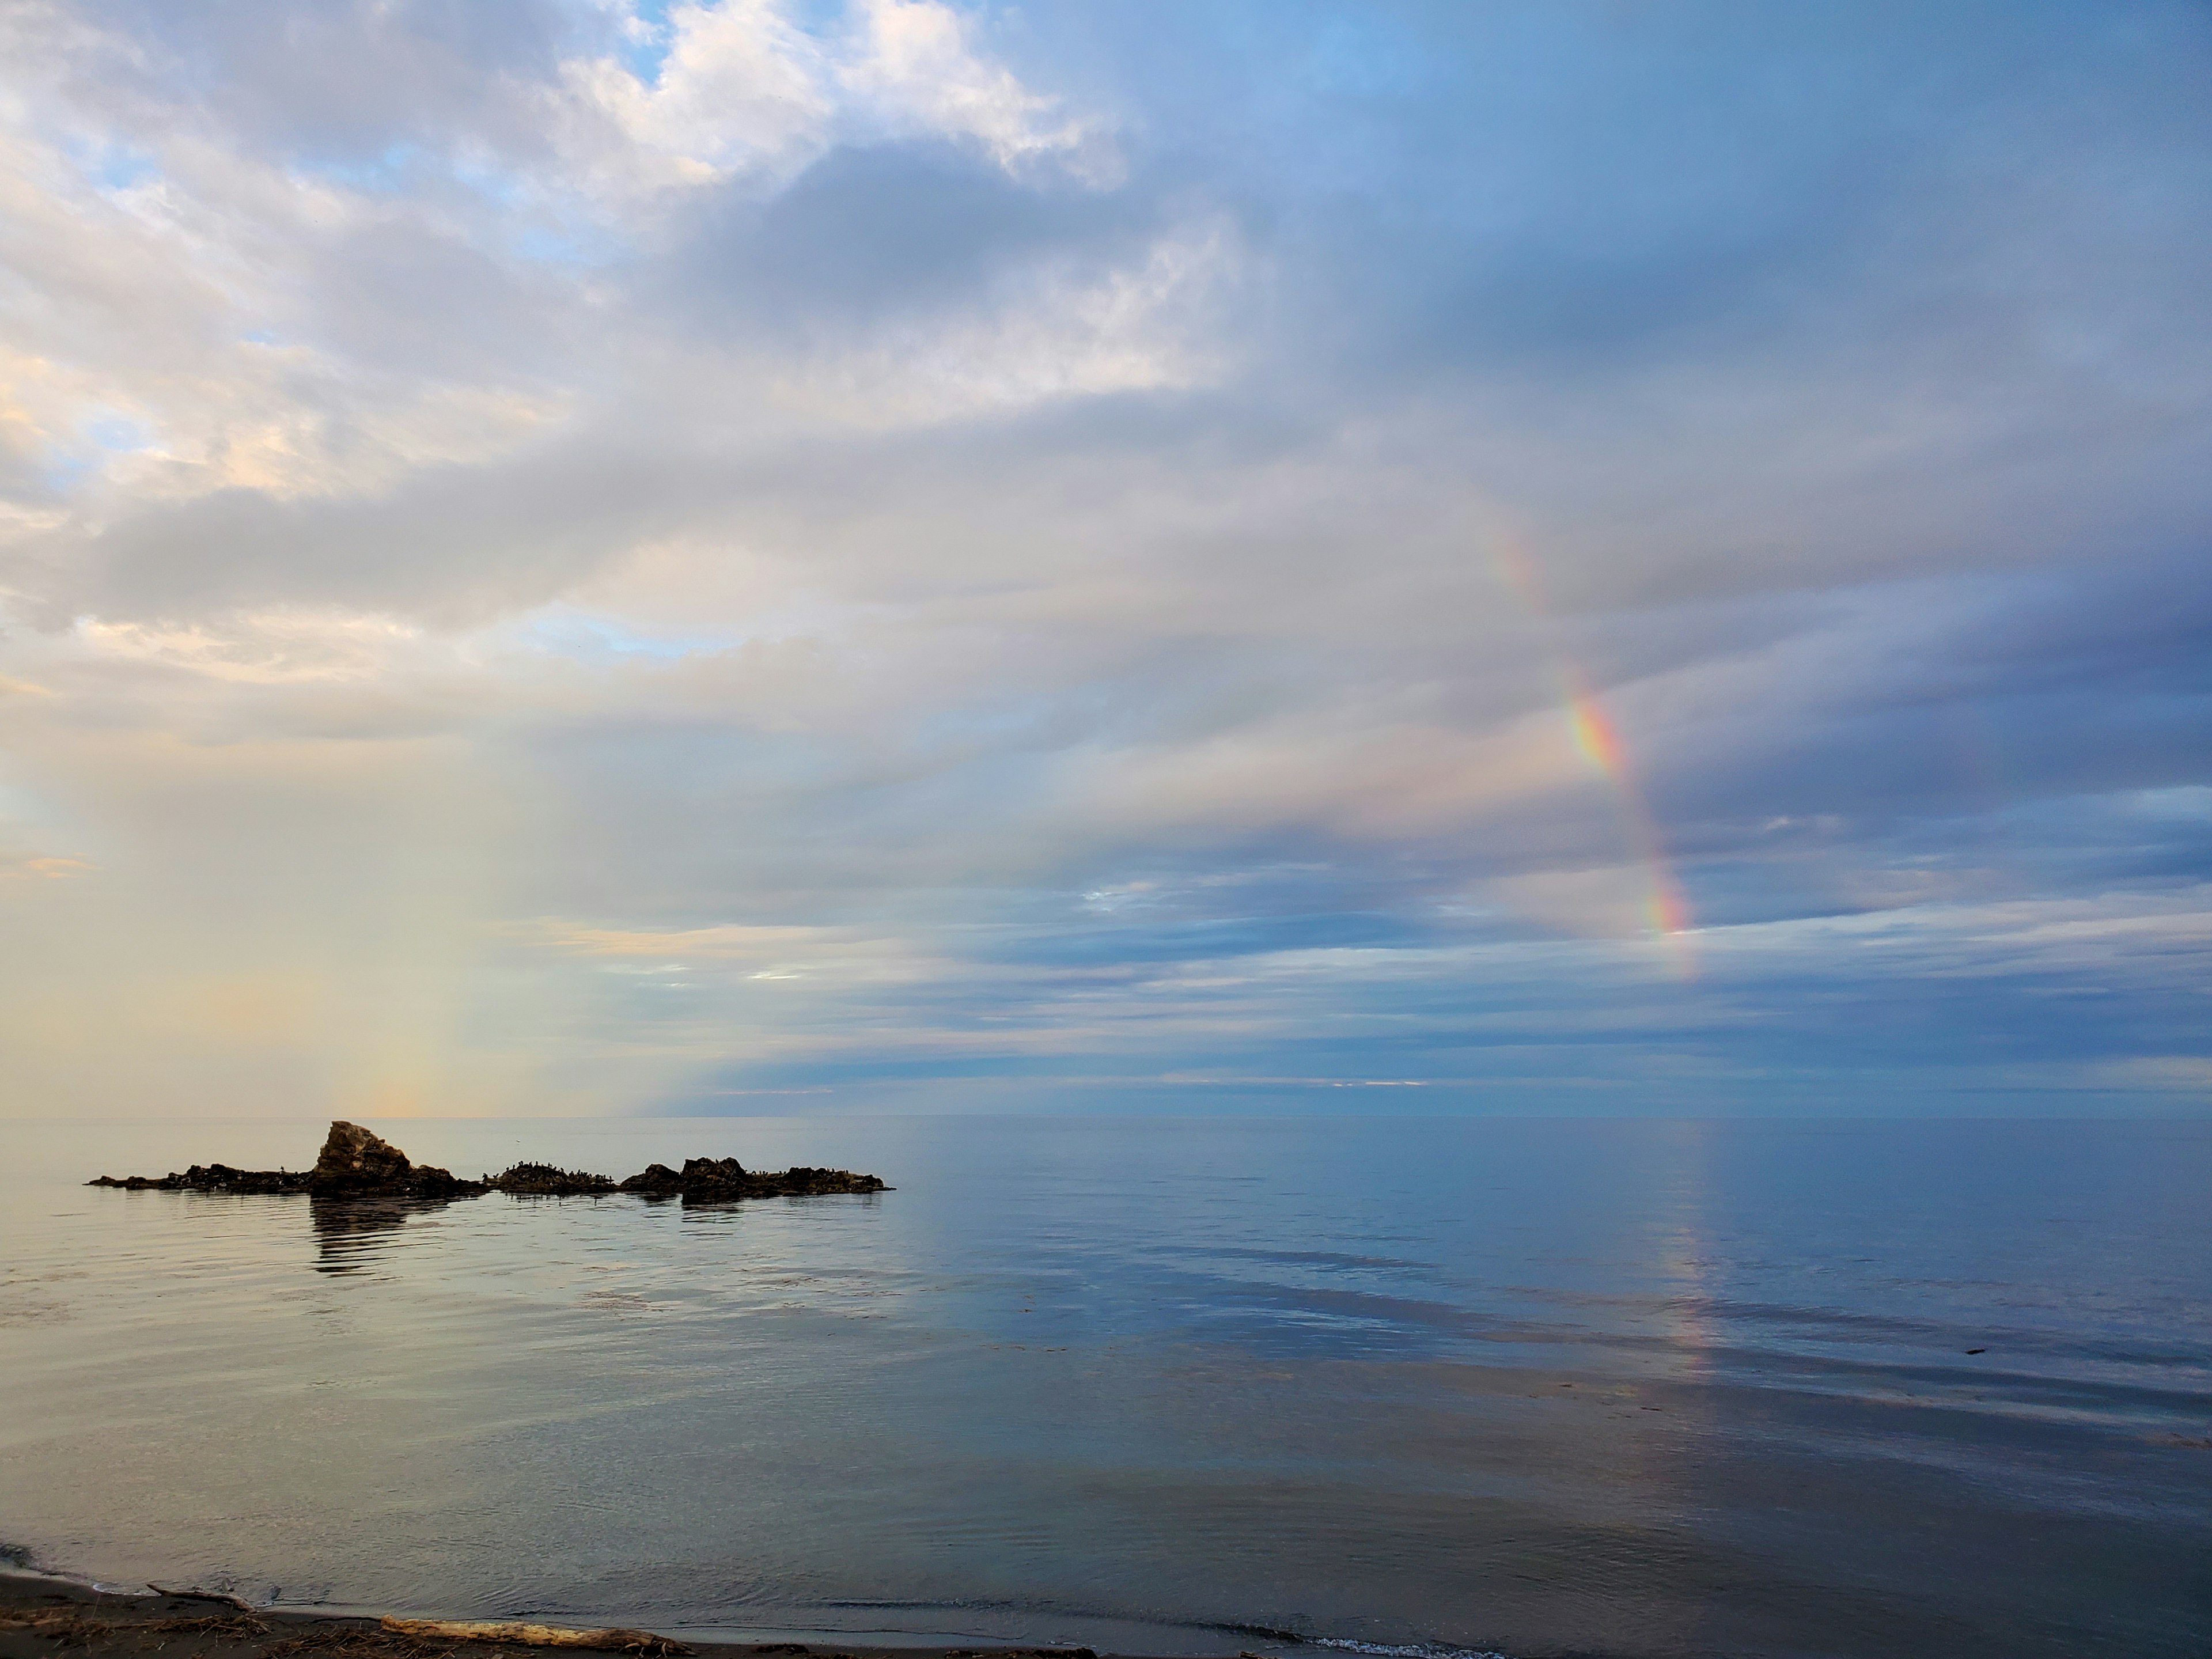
[428, 1180]
[708, 1170]
[354, 1161]
[545, 1180]
[357, 1164]
[723, 1181]
[352, 1157]
[212, 1178]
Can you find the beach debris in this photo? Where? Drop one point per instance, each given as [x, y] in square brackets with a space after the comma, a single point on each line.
[536, 1635]
[77, 1616]
[223, 1597]
[356, 1164]
[71, 1627]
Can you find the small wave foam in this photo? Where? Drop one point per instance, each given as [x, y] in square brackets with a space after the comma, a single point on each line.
[1408, 1650]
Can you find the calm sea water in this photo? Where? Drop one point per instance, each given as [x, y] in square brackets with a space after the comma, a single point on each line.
[1170, 1387]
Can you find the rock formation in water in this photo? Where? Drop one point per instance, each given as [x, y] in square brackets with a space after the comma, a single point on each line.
[721, 1180]
[701, 1181]
[356, 1164]
[213, 1178]
[545, 1180]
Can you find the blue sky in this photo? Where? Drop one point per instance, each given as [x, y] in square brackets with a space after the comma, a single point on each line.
[592, 557]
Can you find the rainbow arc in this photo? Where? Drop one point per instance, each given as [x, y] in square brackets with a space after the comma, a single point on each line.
[1666, 906]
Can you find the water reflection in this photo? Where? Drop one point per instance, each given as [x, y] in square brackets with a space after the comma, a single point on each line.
[352, 1233]
[728, 1210]
[1636, 1389]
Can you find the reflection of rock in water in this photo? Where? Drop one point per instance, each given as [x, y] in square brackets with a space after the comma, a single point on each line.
[352, 1232]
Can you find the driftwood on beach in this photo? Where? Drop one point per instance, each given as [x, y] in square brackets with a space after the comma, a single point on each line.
[535, 1636]
[356, 1164]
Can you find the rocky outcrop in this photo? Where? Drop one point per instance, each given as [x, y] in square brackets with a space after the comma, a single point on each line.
[352, 1156]
[212, 1178]
[711, 1181]
[724, 1179]
[546, 1180]
[356, 1164]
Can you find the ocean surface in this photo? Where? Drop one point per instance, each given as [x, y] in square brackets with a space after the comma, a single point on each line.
[1170, 1387]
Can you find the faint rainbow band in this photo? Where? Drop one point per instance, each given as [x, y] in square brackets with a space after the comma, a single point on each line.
[1666, 906]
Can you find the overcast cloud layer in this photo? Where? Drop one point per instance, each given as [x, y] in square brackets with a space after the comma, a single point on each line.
[567, 555]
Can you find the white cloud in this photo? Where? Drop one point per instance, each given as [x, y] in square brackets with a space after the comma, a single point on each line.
[743, 91]
[970, 553]
[1048, 335]
[274, 648]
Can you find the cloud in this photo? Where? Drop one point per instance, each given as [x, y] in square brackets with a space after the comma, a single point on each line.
[745, 92]
[635, 558]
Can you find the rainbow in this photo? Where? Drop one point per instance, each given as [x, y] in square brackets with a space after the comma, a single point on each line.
[1666, 907]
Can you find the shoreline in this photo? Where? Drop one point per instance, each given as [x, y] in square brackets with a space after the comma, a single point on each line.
[46, 1614]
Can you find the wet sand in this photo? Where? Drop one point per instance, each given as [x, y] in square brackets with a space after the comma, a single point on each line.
[43, 1617]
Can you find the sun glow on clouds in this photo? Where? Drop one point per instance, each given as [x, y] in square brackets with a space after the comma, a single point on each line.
[267, 648]
[895, 553]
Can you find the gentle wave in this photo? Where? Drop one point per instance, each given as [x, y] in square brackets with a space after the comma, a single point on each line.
[1407, 1651]
[1544, 1384]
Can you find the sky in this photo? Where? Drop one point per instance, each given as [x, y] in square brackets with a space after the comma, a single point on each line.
[597, 556]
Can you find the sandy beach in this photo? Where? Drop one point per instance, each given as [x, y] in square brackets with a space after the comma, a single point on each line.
[43, 1616]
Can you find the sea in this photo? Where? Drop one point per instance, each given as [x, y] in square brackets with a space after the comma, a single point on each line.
[1421, 1388]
